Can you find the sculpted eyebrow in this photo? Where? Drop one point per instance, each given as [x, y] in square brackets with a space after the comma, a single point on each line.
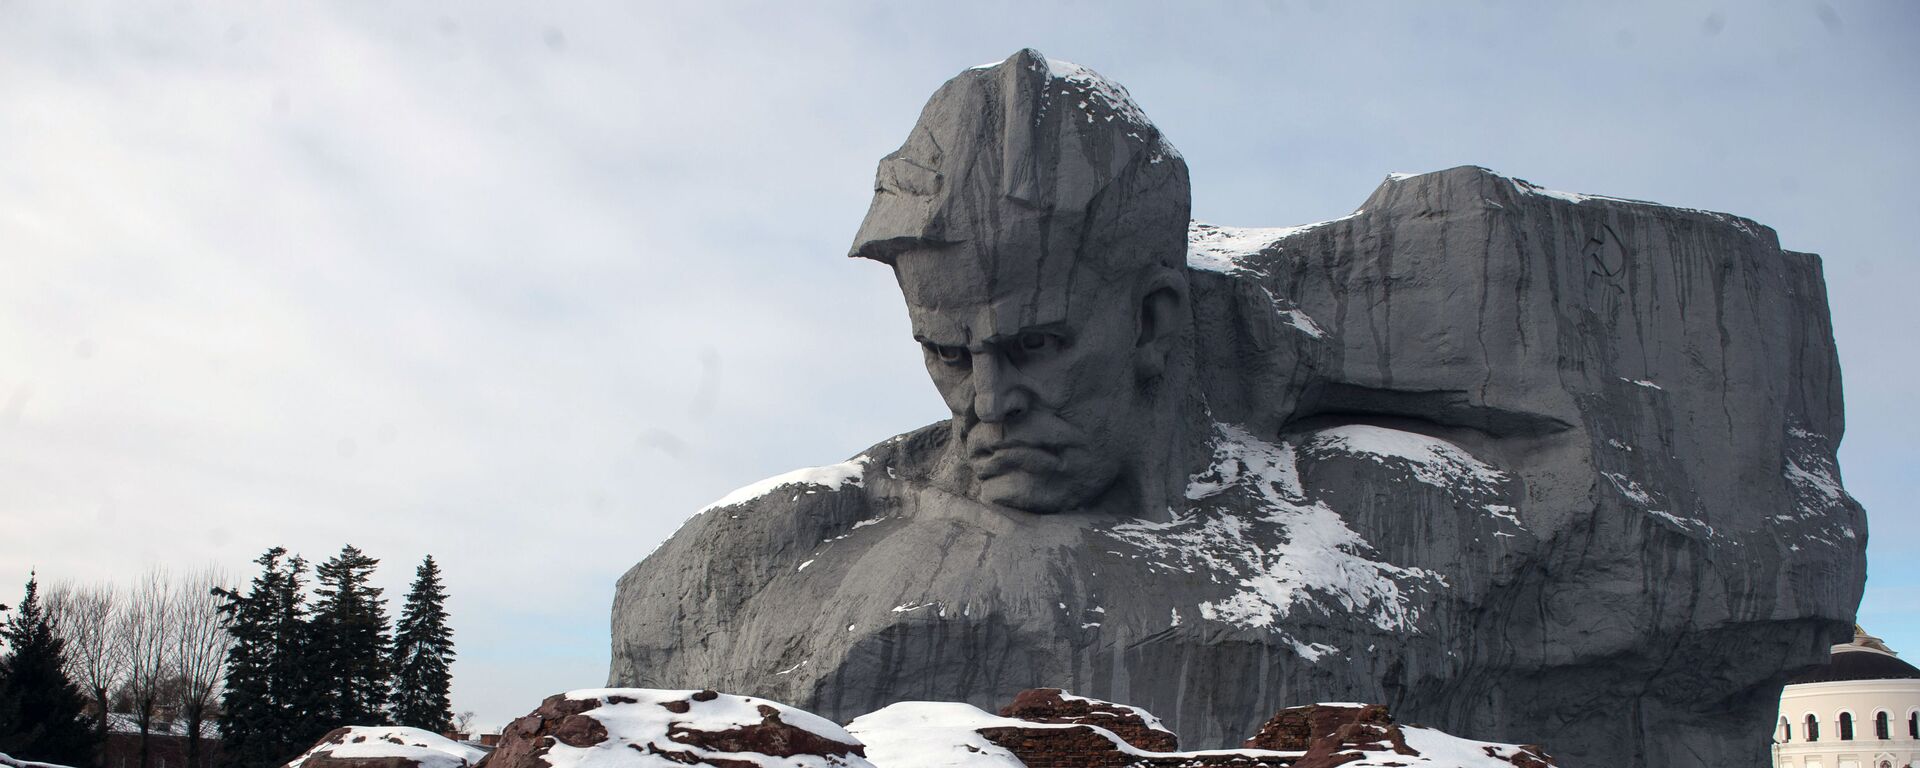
[1057, 328]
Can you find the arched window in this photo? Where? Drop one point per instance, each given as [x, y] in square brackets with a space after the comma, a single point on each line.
[1786, 731]
[1913, 725]
[1880, 729]
[1813, 728]
[1846, 726]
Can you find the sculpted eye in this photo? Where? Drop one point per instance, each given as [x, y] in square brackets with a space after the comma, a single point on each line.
[948, 355]
[1034, 342]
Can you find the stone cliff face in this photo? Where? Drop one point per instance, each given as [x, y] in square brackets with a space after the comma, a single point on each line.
[1658, 389]
[1524, 465]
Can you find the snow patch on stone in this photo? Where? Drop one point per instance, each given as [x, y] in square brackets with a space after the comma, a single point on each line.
[1145, 716]
[1814, 482]
[1817, 478]
[1317, 561]
[1225, 250]
[1529, 188]
[1215, 248]
[1632, 490]
[831, 477]
[1238, 456]
[1086, 88]
[1300, 320]
[1504, 512]
[1094, 84]
[1629, 488]
[1311, 652]
[1431, 460]
[1685, 524]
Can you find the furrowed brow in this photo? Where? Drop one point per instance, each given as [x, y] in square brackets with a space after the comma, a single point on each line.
[1057, 328]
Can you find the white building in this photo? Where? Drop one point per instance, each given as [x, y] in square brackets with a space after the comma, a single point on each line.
[1861, 710]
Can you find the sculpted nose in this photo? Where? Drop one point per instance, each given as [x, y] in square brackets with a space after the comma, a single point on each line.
[997, 394]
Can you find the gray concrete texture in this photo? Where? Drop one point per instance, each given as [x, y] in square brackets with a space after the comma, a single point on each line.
[1524, 465]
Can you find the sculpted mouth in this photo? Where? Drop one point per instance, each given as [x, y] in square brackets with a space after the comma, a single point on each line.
[1000, 459]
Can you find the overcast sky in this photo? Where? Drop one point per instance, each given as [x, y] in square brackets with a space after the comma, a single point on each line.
[523, 289]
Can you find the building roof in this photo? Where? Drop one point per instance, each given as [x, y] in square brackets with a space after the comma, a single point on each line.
[121, 722]
[1865, 658]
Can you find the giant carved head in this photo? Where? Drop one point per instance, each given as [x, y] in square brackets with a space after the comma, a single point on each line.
[1037, 222]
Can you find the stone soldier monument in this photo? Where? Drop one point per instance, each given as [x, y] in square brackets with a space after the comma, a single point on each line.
[1525, 465]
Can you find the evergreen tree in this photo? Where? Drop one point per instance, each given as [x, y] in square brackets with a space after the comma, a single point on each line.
[266, 711]
[8, 711]
[42, 713]
[352, 642]
[423, 655]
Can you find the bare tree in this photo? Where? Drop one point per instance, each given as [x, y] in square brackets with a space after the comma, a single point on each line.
[200, 651]
[148, 631]
[88, 619]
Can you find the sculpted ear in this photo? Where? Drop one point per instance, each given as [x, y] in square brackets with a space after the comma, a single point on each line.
[1163, 305]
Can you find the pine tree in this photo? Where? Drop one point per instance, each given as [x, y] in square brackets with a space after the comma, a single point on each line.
[352, 641]
[423, 655]
[42, 713]
[267, 707]
[9, 711]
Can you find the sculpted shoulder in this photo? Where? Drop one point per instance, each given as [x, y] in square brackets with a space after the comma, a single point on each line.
[679, 616]
[767, 523]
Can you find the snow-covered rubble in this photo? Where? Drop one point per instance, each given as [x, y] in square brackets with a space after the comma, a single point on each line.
[356, 745]
[921, 734]
[650, 728]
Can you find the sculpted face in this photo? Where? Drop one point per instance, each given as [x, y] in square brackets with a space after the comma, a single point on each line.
[1049, 385]
[1037, 224]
